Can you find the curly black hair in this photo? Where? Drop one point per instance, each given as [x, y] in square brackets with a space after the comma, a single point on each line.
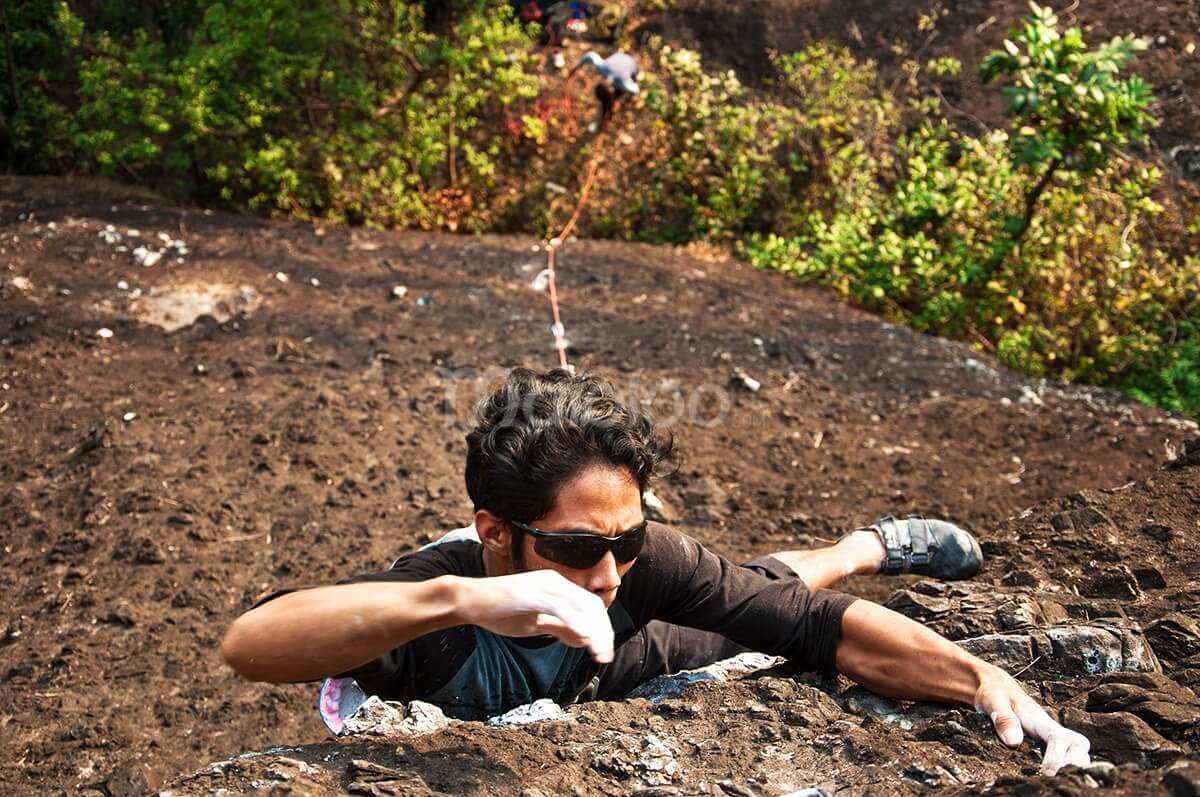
[537, 431]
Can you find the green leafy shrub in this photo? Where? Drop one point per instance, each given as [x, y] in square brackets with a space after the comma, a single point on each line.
[1033, 243]
[716, 161]
[41, 39]
[1071, 108]
[342, 111]
[709, 155]
[1027, 244]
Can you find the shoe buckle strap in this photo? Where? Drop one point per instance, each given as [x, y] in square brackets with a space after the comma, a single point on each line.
[918, 530]
[891, 541]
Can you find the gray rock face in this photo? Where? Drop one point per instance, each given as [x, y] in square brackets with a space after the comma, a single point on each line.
[424, 718]
[1078, 519]
[1067, 650]
[382, 718]
[376, 717]
[537, 711]
[651, 760]
[376, 780]
[963, 610]
[1022, 630]
[667, 686]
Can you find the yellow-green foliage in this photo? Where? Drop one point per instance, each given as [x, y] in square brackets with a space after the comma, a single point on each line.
[709, 161]
[1032, 243]
[958, 236]
[346, 111]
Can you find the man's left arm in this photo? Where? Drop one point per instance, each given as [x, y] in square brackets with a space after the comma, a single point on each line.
[897, 657]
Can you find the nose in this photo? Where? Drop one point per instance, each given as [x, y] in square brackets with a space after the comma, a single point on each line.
[603, 578]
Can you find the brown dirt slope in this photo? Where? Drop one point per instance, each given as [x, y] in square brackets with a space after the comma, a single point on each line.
[773, 734]
[154, 484]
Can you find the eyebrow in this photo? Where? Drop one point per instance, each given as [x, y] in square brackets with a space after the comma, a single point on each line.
[594, 532]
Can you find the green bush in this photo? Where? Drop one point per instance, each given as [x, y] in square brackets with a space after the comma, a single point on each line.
[1033, 243]
[41, 39]
[1027, 244]
[344, 111]
[707, 159]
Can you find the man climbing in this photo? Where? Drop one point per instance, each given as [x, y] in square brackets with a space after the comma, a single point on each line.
[561, 589]
[618, 75]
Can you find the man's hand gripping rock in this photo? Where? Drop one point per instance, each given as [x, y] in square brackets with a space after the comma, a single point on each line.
[1015, 714]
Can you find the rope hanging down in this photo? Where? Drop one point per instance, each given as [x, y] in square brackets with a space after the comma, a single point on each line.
[560, 333]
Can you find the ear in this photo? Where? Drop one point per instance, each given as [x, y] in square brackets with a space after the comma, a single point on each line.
[493, 533]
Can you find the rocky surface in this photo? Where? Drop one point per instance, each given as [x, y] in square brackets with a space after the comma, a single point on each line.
[157, 483]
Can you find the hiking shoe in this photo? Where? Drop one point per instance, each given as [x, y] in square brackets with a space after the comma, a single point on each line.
[934, 548]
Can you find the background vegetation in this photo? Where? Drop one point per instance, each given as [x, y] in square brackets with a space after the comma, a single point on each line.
[1048, 244]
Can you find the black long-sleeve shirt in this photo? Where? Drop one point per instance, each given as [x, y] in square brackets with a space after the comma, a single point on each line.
[472, 673]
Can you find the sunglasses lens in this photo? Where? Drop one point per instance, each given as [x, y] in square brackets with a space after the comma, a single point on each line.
[629, 545]
[585, 550]
[578, 553]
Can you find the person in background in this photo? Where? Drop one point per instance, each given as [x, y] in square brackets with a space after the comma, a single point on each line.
[618, 79]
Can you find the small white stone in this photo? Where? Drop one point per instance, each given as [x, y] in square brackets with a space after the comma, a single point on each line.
[399, 291]
[745, 381]
[316, 283]
[133, 234]
[537, 711]
[129, 416]
[122, 285]
[162, 236]
[1030, 396]
[279, 275]
[104, 332]
[146, 257]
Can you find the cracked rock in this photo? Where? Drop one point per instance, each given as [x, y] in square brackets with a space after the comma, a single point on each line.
[650, 759]
[1122, 738]
[1174, 637]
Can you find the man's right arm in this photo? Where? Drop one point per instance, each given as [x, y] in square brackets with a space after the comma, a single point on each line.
[316, 633]
[322, 632]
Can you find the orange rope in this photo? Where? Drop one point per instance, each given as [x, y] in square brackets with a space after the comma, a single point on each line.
[560, 342]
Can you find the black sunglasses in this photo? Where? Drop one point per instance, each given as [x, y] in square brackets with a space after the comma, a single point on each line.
[580, 550]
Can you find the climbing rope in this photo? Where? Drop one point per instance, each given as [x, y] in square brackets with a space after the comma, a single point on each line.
[560, 333]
